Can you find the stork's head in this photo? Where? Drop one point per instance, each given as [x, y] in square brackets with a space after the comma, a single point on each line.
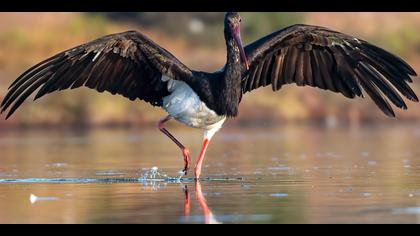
[232, 27]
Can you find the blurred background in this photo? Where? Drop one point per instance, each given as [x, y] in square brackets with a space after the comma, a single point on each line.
[197, 40]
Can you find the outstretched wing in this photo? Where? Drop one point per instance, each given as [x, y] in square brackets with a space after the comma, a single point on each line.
[319, 57]
[126, 63]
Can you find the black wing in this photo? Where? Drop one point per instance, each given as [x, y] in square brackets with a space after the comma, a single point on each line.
[319, 57]
[126, 63]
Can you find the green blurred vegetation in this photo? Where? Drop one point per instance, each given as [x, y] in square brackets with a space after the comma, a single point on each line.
[27, 38]
[402, 42]
[257, 25]
[253, 26]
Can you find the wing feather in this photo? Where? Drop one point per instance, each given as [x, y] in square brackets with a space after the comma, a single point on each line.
[320, 57]
[126, 63]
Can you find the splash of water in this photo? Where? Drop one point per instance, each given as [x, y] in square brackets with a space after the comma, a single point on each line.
[150, 175]
[155, 174]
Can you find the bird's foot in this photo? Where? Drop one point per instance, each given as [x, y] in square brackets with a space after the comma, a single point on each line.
[187, 160]
[197, 174]
[182, 173]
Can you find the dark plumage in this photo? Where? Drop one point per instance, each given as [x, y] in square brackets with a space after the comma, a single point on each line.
[126, 63]
[132, 65]
[319, 57]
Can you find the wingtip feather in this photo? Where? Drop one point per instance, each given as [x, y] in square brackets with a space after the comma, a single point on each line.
[8, 116]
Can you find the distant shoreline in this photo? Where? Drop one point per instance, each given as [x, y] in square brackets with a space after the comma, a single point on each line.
[230, 124]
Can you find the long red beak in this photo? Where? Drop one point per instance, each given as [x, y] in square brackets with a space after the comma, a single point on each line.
[238, 40]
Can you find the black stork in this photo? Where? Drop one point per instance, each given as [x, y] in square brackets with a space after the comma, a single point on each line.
[132, 65]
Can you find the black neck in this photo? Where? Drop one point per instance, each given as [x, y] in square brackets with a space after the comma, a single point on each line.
[231, 91]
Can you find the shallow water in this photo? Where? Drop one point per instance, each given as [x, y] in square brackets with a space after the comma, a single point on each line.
[287, 174]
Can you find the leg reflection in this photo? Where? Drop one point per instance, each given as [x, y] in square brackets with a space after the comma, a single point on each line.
[203, 204]
[207, 213]
[187, 205]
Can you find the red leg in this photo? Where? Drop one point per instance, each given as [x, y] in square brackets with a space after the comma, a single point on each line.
[199, 162]
[185, 151]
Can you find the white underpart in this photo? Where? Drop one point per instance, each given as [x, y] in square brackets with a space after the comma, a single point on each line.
[185, 106]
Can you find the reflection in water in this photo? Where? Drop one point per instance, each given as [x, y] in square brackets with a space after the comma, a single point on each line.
[208, 216]
[33, 199]
[289, 174]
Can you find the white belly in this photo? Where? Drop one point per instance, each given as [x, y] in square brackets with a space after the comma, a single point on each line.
[184, 105]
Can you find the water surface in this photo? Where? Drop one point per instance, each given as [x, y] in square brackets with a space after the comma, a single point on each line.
[287, 174]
